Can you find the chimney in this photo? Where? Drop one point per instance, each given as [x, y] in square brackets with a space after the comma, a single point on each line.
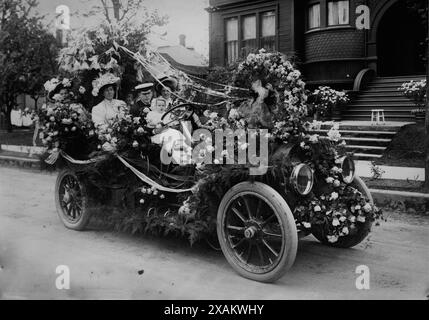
[182, 40]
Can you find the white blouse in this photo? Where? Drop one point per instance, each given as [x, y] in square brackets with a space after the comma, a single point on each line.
[106, 111]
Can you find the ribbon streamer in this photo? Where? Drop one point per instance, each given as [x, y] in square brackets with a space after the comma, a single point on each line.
[149, 181]
[55, 155]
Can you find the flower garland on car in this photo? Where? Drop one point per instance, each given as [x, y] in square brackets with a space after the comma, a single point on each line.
[63, 120]
[339, 209]
[275, 71]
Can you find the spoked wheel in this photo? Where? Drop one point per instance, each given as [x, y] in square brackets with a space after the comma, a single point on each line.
[363, 228]
[71, 201]
[257, 231]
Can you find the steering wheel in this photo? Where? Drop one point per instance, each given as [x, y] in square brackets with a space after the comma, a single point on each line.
[182, 112]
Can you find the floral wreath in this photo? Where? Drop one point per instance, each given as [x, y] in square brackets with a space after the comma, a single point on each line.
[103, 80]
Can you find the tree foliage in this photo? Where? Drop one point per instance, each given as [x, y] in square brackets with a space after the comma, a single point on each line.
[27, 51]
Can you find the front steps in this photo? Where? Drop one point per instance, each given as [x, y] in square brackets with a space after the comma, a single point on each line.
[364, 141]
[382, 93]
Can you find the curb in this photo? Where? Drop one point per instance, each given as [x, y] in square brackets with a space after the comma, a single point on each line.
[23, 162]
[22, 149]
[409, 199]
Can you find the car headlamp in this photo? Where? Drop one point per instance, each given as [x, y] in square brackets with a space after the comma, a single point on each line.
[302, 179]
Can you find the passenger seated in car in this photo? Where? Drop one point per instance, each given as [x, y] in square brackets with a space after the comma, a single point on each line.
[172, 140]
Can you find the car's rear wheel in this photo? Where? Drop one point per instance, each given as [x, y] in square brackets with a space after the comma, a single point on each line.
[363, 229]
[257, 231]
[72, 200]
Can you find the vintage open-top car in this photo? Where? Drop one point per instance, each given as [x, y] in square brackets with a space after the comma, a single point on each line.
[308, 185]
[256, 217]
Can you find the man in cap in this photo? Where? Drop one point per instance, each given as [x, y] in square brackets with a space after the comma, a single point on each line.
[144, 99]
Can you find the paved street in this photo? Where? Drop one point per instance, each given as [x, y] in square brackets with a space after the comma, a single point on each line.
[104, 264]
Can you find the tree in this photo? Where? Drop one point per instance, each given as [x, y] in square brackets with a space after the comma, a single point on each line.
[27, 52]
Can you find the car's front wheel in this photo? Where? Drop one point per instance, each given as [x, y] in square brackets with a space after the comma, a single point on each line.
[257, 231]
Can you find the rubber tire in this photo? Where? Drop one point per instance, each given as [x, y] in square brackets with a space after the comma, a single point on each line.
[289, 230]
[352, 240]
[83, 222]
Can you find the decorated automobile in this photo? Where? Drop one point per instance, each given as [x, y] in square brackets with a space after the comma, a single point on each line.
[246, 172]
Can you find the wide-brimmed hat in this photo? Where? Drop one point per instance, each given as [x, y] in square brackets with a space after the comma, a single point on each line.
[144, 87]
[104, 81]
[55, 85]
[166, 81]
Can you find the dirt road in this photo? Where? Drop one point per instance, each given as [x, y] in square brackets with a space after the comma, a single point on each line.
[107, 265]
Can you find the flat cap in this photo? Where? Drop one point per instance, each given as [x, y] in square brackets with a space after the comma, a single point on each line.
[144, 87]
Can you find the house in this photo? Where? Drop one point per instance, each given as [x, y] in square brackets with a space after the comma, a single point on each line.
[185, 58]
[322, 35]
[368, 47]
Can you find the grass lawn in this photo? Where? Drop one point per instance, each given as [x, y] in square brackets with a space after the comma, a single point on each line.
[407, 149]
[402, 185]
[19, 137]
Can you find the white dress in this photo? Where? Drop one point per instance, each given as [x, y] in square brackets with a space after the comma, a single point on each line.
[16, 118]
[106, 111]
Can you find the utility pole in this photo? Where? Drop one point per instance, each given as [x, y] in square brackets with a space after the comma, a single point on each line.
[427, 110]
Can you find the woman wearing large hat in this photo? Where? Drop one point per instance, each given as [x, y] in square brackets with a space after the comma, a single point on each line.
[58, 90]
[110, 108]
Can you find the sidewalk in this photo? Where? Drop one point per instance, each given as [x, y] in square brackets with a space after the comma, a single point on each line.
[363, 169]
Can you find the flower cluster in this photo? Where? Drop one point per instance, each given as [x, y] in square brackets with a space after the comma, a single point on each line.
[334, 133]
[150, 194]
[62, 122]
[52, 84]
[124, 133]
[325, 99]
[416, 91]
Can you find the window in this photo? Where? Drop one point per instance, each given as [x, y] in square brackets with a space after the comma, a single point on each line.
[338, 12]
[248, 29]
[231, 40]
[249, 32]
[268, 31]
[314, 16]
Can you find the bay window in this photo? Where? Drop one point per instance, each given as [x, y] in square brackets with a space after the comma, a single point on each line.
[314, 16]
[249, 31]
[268, 30]
[231, 40]
[338, 13]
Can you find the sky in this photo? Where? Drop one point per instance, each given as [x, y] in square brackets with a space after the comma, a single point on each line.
[185, 17]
